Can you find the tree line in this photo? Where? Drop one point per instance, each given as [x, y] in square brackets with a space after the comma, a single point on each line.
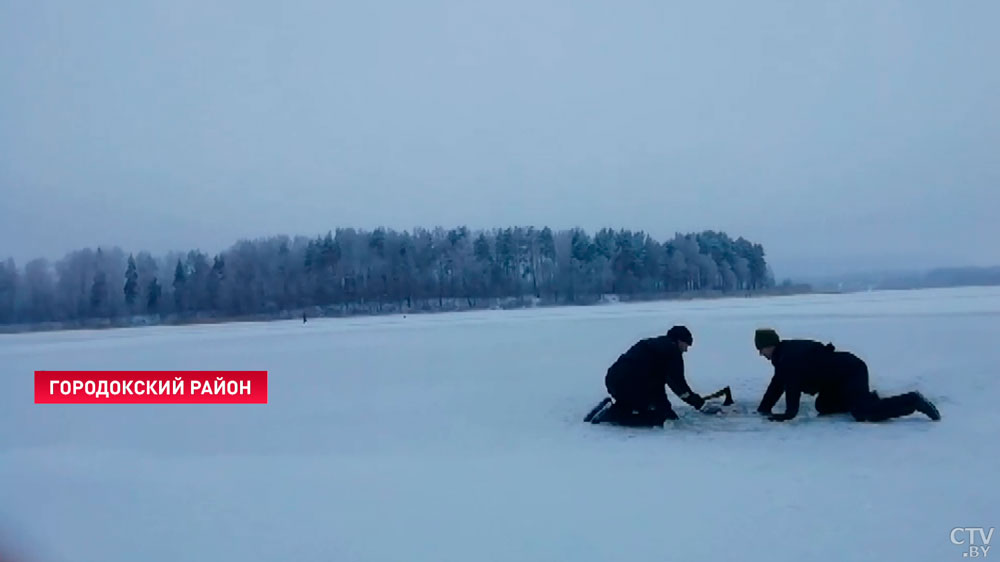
[349, 268]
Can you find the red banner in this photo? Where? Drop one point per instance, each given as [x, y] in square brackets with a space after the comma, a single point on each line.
[150, 387]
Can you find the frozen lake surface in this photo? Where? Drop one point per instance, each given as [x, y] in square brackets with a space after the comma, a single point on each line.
[458, 438]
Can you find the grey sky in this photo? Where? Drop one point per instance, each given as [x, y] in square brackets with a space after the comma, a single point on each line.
[836, 134]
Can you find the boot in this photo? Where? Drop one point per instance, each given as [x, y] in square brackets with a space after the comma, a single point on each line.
[615, 413]
[596, 410]
[924, 406]
[604, 414]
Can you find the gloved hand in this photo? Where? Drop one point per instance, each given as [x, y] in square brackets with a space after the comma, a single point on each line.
[696, 401]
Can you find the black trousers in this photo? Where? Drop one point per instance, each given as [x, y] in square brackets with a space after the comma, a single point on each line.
[852, 394]
[635, 404]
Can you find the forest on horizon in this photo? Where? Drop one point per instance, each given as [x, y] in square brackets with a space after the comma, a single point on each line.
[419, 270]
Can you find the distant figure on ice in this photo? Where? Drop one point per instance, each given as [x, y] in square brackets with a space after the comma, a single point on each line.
[839, 380]
[637, 379]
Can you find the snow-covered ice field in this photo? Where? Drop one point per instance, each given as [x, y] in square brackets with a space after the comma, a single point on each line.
[458, 437]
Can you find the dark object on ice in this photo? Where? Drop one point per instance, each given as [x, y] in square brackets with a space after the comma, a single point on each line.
[303, 317]
[637, 380]
[839, 380]
[724, 392]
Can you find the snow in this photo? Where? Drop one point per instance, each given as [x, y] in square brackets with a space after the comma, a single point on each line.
[458, 437]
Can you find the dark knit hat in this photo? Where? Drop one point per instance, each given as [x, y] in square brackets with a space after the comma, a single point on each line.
[681, 333]
[765, 337]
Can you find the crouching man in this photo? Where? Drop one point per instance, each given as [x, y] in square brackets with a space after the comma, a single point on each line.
[838, 379]
[637, 380]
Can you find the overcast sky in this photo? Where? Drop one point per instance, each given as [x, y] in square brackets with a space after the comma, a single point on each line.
[838, 134]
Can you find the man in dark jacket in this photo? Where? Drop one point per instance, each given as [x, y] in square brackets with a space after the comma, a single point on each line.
[838, 379]
[637, 380]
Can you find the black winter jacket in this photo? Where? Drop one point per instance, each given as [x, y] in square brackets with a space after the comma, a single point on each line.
[800, 366]
[648, 366]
